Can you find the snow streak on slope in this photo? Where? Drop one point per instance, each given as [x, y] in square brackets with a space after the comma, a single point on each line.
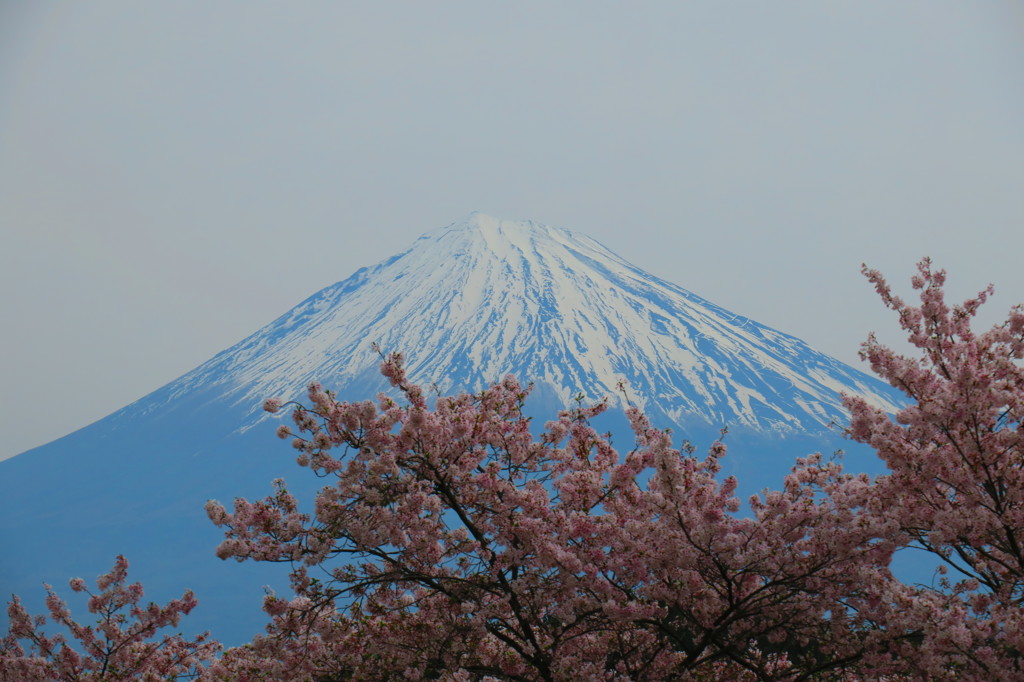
[485, 297]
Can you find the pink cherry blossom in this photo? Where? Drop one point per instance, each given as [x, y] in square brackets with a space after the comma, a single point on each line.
[122, 645]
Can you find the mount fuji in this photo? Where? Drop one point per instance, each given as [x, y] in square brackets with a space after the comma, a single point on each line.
[466, 304]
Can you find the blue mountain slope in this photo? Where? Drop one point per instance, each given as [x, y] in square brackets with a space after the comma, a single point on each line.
[467, 304]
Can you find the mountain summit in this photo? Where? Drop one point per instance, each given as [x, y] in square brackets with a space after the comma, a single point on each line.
[467, 304]
[482, 298]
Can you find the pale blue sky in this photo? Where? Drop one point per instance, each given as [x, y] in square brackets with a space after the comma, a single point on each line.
[175, 175]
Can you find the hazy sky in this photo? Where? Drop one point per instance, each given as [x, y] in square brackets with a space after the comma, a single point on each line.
[173, 176]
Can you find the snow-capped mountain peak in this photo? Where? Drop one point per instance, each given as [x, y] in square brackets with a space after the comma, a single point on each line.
[485, 297]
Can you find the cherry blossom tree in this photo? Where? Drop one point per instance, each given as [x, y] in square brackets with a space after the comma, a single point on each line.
[453, 542]
[956, 482]
[123, 645]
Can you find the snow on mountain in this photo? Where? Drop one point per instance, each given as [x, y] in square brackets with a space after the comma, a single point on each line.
[466, 304]
[485, 297]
